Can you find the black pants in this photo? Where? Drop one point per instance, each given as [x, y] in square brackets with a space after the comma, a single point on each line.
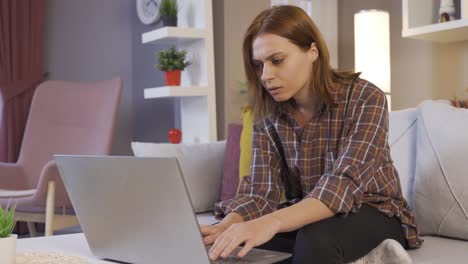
[338, 239]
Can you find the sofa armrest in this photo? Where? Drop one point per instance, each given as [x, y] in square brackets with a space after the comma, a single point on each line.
[402, 140]
[206, 218]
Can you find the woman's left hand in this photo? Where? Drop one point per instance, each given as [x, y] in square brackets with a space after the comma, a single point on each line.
[254, 233]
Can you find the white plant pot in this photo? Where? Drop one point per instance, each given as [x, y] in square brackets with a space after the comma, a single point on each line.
[8, 249]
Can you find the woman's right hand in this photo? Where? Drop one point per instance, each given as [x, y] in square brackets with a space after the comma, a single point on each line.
[211, 232]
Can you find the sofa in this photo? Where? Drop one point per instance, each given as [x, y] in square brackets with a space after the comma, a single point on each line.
[427, 145]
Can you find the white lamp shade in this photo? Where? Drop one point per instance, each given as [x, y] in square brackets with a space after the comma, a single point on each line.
[372, 47]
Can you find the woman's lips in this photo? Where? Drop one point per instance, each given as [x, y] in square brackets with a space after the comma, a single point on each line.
[274, 90]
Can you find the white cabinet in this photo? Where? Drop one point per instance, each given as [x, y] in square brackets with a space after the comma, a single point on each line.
[420, 21]
[194, 33]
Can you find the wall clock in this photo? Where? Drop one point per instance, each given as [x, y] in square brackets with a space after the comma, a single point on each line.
[148, 10]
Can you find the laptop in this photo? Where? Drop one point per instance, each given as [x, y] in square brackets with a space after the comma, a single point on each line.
[137, 210]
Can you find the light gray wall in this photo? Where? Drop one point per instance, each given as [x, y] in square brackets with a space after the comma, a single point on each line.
[90, 40]
[230, 21]
[152, 118]
[420, 70]
[219, 47]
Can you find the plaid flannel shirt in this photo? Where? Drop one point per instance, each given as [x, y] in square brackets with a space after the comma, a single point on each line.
[341, 158]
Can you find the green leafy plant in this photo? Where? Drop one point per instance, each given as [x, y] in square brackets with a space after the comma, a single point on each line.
[7, 221]
[243, 87]
[171, 59]
[168, 8]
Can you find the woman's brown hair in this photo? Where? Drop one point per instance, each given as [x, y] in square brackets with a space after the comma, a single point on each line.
[294, 24]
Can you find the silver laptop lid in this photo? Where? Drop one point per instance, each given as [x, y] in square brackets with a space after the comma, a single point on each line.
[133, 209]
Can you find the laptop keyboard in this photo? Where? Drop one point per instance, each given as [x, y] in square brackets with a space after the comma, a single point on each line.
[252, 257]
[231, 260]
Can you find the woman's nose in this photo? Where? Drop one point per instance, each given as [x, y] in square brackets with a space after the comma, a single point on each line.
[267, 73]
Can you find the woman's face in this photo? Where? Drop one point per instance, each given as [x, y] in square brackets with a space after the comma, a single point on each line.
[283, 67]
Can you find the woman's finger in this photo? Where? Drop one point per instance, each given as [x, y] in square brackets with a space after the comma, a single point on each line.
[207, 229]
[246, 249]
[219, 245]
[210, 239]
[231, 247]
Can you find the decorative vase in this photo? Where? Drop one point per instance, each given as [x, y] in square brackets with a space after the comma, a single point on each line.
[169, 21]
[173, 77]
[8, 249]
[446, 11]
[174, 135]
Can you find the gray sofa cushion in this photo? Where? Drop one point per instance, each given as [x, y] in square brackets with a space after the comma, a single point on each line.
[201, 166]
[441, 177]
[437, 250]
[402, 140]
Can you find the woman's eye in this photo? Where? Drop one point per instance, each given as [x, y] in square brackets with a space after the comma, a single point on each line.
[258, 66]
[276, 61]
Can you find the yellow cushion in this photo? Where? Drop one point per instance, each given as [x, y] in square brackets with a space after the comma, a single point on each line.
[246, 142]
[246, 146]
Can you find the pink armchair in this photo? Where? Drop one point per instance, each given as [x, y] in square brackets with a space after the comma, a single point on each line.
[65, 118]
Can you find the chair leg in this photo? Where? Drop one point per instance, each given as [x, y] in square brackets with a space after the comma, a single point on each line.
[32, 229]
[50, 209]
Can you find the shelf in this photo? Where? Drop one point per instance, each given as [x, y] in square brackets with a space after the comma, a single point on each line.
[446, 32]
[175, 91]
[195, 102]
[173, 34]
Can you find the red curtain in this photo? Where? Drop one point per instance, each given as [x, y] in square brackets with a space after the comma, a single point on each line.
[22, 29]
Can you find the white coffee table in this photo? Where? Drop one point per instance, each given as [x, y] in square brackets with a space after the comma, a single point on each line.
[74, 244]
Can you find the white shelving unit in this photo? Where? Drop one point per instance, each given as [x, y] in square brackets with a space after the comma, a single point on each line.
[173, 35]
[175, 91]
[194, 33]
[420, 22]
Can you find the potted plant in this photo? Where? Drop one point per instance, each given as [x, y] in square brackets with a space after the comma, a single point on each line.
[172, 62]
[168, 12]
[7, 239]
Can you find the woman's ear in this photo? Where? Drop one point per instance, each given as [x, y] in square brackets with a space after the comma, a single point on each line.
[313, 51]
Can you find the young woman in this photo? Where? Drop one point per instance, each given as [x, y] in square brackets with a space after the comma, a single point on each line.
[319, 137]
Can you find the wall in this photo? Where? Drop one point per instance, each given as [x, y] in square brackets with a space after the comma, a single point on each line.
[325, 15]
[450, 70]
[152, 118]
[420, 70]
[90, 40]
[230, 21]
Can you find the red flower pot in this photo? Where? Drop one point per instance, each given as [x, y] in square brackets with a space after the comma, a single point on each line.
[173, 77]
